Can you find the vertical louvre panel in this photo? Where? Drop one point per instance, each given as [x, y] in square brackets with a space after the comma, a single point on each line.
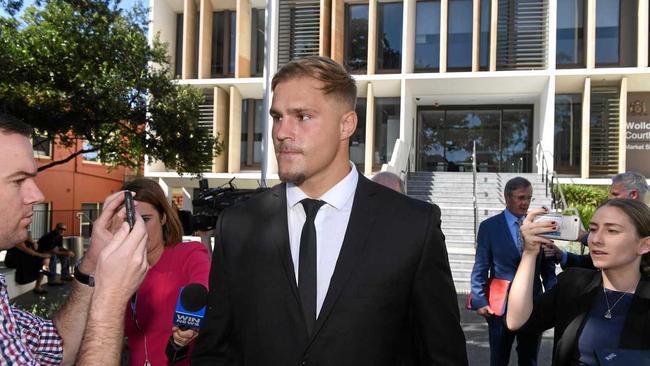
[206, 121]
[299, 30]
[604, 131]
[522, 33]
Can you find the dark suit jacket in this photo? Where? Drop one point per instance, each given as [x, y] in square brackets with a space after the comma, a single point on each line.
[567, 305]
[579, 260]
[497, 256]
[391, 299]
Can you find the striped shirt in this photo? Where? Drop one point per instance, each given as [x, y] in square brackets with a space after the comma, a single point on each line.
[26, 339]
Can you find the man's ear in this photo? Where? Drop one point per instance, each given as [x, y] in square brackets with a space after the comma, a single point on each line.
[348, 124]
[634, 194]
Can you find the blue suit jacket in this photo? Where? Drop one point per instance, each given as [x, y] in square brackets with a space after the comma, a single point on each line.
[497, 256]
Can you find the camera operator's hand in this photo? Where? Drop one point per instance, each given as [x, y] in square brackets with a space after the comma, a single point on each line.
[122, 264]
[530, 231]
[111, 219]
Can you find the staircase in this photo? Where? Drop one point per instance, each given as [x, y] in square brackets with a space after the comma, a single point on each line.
[453, 193]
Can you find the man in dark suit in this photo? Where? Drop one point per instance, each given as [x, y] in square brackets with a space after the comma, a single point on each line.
[630, 185]
[327, 268]
[498, 253]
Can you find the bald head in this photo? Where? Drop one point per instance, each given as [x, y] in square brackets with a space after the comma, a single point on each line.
[389, 180]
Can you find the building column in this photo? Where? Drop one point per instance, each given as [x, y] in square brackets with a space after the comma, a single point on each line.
[234, 131]
[444, 15]
[408, 36]
[591, 34]
[370, 130]
[189, 39]
[622, 115]
[338, 30]
[243, 39]
[494, 17]
[586, 116]
[476, 34]
[324, 41]
[372, 36]
[205, 39]
[642, 32]
[220, 127]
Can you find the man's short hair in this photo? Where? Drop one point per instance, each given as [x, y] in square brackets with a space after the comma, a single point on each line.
[632, 181]
[60, 226]
[515, 184]
[337, 81]
[10, 124]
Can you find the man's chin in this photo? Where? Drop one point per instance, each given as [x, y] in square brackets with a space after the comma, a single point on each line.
[292, 177]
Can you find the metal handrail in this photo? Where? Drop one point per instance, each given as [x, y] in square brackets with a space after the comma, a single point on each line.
[557, 195]
[474, 197]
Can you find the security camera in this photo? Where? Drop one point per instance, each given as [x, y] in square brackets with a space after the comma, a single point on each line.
[417, 99]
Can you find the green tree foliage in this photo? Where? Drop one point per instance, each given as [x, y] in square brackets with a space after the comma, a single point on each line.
[84, 69]
[585, 198]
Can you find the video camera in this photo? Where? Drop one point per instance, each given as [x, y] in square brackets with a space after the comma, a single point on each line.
[210, 203]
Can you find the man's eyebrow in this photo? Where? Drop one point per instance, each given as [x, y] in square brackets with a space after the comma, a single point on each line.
[22, 173]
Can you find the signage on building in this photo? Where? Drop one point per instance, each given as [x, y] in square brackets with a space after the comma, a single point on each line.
[637, 130]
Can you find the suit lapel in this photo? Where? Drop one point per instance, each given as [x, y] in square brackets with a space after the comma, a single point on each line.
[512, 246]
[354, 242]
[278, 222]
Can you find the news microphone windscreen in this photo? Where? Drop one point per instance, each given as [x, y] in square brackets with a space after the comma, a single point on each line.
[194, 296]
[190, 307]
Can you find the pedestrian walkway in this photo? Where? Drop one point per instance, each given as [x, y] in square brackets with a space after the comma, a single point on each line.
[475, 328]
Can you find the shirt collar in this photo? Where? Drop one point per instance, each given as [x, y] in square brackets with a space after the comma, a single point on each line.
[510, 218]
[3, 281]
[336, 197]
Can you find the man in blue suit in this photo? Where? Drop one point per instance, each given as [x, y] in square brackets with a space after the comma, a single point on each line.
[498, 252]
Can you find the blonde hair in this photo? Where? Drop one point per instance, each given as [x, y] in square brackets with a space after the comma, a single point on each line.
[337, 81]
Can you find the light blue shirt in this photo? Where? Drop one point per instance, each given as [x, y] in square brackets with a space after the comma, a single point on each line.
[511, 220]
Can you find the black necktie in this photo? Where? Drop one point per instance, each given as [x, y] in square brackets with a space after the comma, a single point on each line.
[307, 263]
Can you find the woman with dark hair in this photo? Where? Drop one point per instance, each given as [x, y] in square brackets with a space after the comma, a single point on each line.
[596, 313]
[173, 265]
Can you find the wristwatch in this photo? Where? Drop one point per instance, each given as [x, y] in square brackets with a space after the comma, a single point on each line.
[86, 279]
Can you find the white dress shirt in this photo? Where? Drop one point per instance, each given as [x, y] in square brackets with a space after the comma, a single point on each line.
[331, 224]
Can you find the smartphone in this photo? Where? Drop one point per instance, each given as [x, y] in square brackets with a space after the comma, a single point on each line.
[130, 209]
[568, 226]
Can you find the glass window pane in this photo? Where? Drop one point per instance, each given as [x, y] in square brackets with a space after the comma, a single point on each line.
[389, 36]
[356, 37]
[358, 139]
[484, 37]
[387, 112]
[232, 42]
[178, 54]
[427, 35]
[218, 31]
[515, 140]
[568, 133]
[251, 133]
[570, 32]
[459, 32]
[607, 32]
[257, 43]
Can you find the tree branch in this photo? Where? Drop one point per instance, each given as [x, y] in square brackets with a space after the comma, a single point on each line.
[63, 161]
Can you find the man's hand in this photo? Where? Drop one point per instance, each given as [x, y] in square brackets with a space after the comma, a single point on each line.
[122, 264]
[183, 337]
[110, 220]
[552, 251]
[485, 311]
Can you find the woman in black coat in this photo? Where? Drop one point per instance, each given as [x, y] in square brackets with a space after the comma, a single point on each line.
[597, 314]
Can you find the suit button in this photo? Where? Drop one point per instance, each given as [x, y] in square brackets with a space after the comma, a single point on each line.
[303, 363]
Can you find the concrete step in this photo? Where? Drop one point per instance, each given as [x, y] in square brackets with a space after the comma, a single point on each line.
[465, 263]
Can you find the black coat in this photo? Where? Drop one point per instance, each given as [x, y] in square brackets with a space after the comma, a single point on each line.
[567, 305]
[391, 299]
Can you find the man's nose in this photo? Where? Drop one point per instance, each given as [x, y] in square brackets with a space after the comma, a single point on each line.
[32, 194]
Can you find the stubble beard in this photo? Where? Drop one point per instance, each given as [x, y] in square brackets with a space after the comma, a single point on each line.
[294, 178]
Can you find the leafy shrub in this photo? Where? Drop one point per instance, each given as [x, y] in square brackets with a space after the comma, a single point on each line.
[585, 198]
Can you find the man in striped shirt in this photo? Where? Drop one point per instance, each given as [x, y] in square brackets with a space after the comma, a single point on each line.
[94, 311]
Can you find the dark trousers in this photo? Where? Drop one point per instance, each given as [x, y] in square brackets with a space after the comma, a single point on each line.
[501, 340]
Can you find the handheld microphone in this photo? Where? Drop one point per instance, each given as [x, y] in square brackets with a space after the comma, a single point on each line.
[189, 314]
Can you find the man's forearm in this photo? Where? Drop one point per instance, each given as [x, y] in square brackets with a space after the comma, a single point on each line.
[102, 341]
[71, 319]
